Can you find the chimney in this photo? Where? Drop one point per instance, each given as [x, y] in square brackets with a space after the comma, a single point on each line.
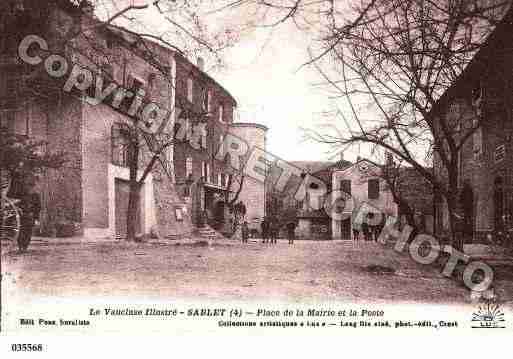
[342, 156]
[201, 63]
[358, 158]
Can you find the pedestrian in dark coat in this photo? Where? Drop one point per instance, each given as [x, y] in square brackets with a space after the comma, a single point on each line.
[366, 231]
[245, 232]
[356, 234]
[265, 229]
[291, 231]
[274, 229]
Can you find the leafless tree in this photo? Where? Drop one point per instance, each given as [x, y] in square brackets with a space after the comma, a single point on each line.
[386, 69]
[185, 32]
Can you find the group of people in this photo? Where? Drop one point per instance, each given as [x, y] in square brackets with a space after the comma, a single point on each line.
[370, 232]
[270, 227]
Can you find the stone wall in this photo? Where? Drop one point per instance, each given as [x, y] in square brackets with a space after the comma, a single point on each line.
[253, 191]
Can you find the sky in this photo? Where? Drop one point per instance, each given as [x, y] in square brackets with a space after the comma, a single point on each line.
[264, 76]
[262, 71]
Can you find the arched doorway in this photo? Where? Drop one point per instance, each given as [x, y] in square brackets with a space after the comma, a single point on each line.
[498, 203]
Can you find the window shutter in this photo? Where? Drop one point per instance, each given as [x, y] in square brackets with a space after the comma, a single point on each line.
[373, 190]
[189, 89]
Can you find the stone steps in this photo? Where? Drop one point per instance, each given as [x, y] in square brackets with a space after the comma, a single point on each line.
[208, 233]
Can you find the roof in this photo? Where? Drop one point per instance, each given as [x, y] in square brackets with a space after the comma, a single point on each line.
[249, 124]
[311, 166]
[325, 173]
[130, 37]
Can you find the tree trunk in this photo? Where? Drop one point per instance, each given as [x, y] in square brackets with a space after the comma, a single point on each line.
[454, 225]
[134, 190]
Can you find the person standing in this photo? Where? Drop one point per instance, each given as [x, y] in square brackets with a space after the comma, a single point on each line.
[365, 230]
[291, 231]
[245, 232]
[265, 229]
[356, 234]
[274, 228]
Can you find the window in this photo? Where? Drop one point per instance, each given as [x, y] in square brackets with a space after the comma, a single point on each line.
[120, 136]
[223, 179]
[7, 120]
[9, 88]
[188, 167]
[299, 204]
[221, 140]
[204, 135]
[345, 186]
[179, 214]
[221, 113]
[151, 79]
[373, 190]
[205, 171]
[189, 89]
[206, 100]
[14, 122]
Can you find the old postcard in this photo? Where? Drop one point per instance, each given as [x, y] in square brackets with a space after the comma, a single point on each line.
[255, 168]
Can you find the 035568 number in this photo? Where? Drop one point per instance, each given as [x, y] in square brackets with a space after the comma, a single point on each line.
[27, 347]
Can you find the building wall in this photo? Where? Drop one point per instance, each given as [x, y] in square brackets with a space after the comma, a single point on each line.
[83, 190]
[490, 72]
[359, 192]
[159, 200]
[216, 126]
[43, 114]
[195, 113]
[253, 191]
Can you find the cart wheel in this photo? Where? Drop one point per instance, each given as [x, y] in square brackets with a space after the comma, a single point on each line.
[9, 221]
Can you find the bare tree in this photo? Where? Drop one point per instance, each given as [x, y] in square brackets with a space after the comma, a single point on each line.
[388, 68]
[185, 32]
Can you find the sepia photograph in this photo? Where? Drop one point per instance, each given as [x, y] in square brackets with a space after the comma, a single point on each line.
[255, 167]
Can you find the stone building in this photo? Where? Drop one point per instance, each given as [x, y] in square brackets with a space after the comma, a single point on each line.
[253, 193]
[315, 224]
[364, 183]
[200, 179]
[91, 190]
[483, 94]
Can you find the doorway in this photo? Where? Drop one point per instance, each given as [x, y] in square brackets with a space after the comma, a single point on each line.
[121, 210]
